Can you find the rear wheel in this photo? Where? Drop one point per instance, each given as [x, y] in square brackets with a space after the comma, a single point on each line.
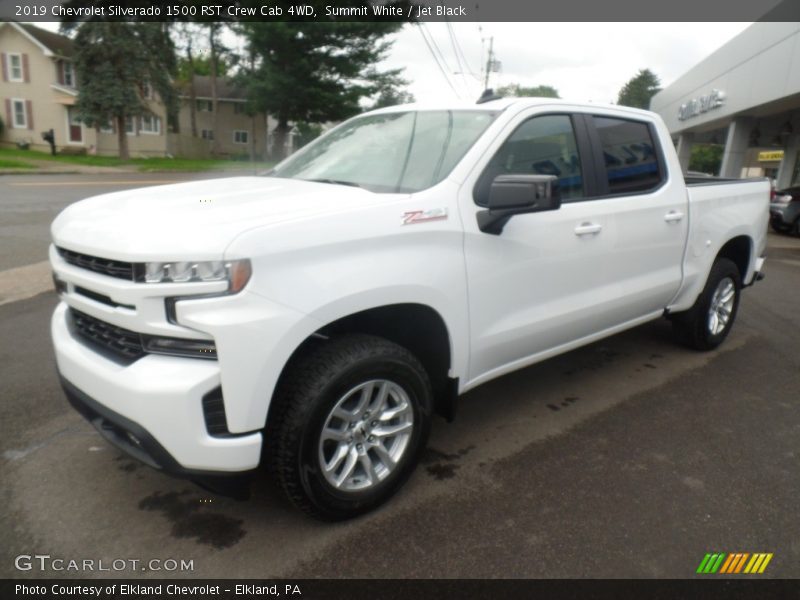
[706, 325]
[347, 425]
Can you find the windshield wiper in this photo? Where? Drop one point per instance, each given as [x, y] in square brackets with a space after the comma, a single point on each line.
[336, 182]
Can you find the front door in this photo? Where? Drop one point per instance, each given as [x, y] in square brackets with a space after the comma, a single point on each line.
[543, 281]
[74, 127]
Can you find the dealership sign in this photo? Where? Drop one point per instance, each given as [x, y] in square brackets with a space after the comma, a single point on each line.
[696, 106]
[770, 155]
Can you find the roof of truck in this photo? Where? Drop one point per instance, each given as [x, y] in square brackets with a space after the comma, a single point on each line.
[503, 103]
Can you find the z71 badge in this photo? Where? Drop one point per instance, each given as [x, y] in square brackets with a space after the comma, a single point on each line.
[413, 217]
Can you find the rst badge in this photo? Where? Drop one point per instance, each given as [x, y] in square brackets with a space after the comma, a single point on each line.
[412, 217]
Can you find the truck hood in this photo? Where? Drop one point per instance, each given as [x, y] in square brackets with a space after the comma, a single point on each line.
[195, 220]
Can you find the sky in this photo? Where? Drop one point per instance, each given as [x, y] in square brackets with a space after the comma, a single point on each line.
[585, 62]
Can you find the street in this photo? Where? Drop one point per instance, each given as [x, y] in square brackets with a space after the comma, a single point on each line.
[631, 457]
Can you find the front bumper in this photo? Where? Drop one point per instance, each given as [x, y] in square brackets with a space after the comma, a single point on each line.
[156, 400]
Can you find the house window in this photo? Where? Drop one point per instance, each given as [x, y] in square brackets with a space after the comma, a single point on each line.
[147, 90]
[207, 134]
[239, 137]
[15, 72]
[69, 74]
[20, 115]
[238, 108]
[129, 125]
[205, 106]
[150, 124]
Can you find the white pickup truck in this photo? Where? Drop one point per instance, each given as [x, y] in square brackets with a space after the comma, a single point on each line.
[312, 320]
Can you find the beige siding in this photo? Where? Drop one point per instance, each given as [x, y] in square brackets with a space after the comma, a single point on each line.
[49, 101]
[229, 122]
[45, 103]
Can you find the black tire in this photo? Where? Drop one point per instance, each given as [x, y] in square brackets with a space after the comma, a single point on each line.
[692, 326]
[307, 394]
[796, 227]
[779, 227]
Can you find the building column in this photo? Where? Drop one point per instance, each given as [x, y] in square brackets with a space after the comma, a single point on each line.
[736, 143]
[684, 149]
[790, 152]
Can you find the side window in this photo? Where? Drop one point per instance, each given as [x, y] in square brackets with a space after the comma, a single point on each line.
[540, 146]
[629, 154]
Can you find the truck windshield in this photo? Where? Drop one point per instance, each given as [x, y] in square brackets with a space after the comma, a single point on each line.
[391, 152]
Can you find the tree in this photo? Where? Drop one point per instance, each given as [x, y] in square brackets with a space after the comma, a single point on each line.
[200, 65]
[314, 72]
[706, 158]
[186, 69]
[639, 89]
[214, 31]
[114, 61]
[539, 91]
[306, 132]
[392, 97]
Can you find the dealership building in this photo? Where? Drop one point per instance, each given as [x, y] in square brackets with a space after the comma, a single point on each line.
[745, 96]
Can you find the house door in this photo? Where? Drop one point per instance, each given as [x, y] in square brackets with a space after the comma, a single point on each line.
[75, 130]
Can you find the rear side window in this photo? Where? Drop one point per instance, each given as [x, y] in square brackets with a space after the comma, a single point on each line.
[629, 154]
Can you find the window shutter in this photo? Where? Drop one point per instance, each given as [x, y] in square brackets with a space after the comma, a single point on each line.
[9, 121]
[60, 72]
[26, 73]
[29, 113]
[5, 67]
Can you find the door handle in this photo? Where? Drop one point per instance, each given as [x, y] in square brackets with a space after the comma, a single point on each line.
[673, 216]
[588, 229]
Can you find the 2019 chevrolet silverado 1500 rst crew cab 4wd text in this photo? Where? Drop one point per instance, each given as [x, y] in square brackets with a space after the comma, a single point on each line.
[314, 319]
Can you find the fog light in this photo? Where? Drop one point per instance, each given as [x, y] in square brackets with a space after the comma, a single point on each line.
[180, 347]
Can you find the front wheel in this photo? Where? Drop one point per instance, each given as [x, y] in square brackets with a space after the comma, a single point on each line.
[347, 425]
[779, 227]
[706, 325]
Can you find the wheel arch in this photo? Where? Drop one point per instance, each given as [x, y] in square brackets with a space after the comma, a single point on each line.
[739, 250]
[417, 327]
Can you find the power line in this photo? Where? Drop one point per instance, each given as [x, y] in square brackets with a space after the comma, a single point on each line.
[460, 52]
[436, 58]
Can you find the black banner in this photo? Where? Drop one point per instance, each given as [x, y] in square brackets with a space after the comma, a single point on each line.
[402, 10]
[401, 589]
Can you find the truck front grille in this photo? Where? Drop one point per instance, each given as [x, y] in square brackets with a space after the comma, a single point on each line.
[105, 266]
[121, 343]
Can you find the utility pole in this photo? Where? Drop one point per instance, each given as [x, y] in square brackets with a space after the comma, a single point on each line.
[489, 63]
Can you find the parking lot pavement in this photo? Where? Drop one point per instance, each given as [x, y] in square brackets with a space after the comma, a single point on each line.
[632, 457]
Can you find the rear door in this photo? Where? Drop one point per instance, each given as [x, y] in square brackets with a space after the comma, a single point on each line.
[648, 233]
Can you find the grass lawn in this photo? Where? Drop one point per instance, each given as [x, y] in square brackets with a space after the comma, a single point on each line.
[18, 157]
[14, 164]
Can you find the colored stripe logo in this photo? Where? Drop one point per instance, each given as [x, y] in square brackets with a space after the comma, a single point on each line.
[734, 563]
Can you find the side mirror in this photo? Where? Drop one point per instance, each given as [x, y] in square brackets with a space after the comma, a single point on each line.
[511, 195]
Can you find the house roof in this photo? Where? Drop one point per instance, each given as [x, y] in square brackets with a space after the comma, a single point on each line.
[225, 88]
[56, 43]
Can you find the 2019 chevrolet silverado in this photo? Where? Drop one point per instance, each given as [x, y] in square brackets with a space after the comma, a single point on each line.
[313, 320]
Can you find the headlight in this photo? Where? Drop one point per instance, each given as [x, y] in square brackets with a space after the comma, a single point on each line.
[236, 272]
[179, 347]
